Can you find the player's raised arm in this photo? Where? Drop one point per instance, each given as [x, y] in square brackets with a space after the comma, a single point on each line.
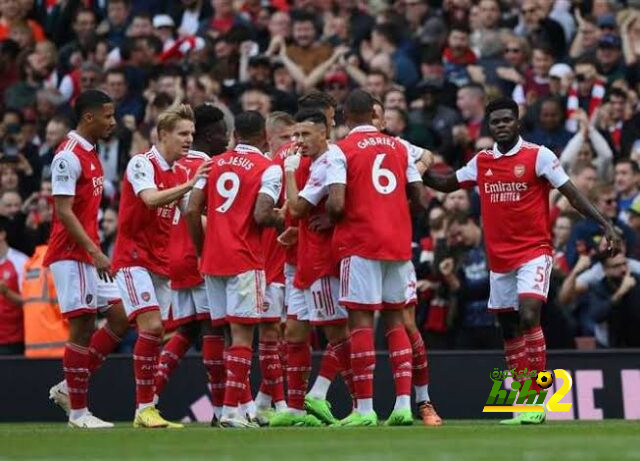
[154, 198]
[193, 215]
[297, 206]
[584, 206]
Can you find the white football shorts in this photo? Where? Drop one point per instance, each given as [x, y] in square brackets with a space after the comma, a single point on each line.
[531, 280]
[141, 290]
[368, 284]
[236, 299]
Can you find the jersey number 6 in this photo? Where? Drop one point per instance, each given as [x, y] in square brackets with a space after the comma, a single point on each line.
[227, 186]
[377, 173]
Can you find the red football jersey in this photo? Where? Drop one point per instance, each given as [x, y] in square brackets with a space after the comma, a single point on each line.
[514, 198]
[12, 273]
[314, 261]
[183, 261]
[233, 240]
[143, 232]
[376, 169]
[275, 254]
[75, 171]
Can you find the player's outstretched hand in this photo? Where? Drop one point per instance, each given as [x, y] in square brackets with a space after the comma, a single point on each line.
[614, 241]
[289, 237]
[201, 172]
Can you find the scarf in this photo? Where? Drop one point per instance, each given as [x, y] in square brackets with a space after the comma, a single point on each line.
[573, 103]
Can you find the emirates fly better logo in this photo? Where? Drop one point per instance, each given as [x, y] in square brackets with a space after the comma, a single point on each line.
[501, 401]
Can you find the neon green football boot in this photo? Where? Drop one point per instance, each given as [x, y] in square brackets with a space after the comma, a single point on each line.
[400, 418]
[356, 419]
[319, 408]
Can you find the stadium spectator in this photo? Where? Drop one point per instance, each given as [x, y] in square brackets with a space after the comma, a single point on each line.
[385, 39]
[626, 183]
[467, 277]
[537, 27]
[587, 235]
[126, 103]
[457, 56]
[614, 305]
[549, 130]
[588, 145]
[12, 265]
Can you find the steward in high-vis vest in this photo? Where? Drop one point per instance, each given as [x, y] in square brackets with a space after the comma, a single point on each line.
[45, 330]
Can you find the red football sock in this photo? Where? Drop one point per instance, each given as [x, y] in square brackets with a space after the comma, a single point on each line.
[238, 364]
[420, 364]
[75, 364]
[298, 369]
[515, 353]
[342, 351]
[271, 369]
[246, 395]
[536, 351]
[400, 353]
[213, 359]
[103, 342]
[363, 362]
[329, 366]
[145, 359]
[170, 357]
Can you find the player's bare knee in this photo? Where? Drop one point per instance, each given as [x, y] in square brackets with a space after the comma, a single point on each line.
[393, 318]
[150, 323]
[269, 331]
[242, 335]
[296, 332]
[117, 320]
[336, 333]
[509, 324]
[81, 328]
[360, 319]
[409, 319]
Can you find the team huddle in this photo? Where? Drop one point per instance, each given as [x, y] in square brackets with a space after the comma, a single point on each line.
[283, 228]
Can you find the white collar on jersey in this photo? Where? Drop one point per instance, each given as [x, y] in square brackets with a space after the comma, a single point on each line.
[161, 160]
[363, 129]
[246, 148]
[197, 153]
[86, 145]
[514, 150]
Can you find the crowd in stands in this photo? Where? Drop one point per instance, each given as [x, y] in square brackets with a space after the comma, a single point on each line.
[573, 67]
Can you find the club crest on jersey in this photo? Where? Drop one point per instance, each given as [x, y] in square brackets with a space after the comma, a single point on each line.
[146, 296]
[519, 170]
[6, 275]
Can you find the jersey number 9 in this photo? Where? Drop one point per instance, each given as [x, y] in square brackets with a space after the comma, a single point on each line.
[227, 186]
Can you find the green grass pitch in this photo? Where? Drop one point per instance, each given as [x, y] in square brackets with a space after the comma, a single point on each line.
[456, 440]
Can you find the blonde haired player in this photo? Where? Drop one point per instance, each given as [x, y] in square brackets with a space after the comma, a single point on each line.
[150, 190]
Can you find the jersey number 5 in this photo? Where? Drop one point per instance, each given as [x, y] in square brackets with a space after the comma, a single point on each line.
[227, 186]
[377, 173]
